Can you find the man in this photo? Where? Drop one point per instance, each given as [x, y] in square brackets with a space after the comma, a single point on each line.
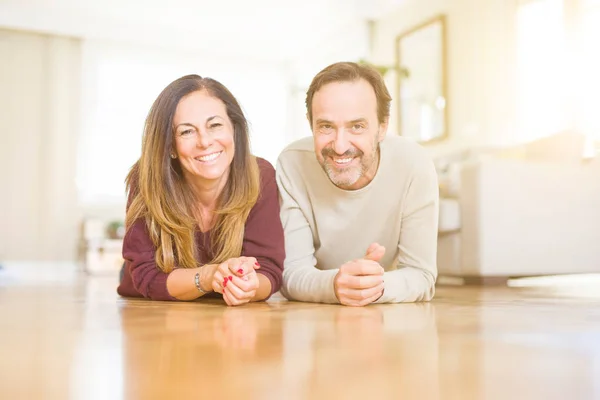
[359, 209]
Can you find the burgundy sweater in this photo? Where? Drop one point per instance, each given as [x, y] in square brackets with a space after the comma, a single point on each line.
[263, 239]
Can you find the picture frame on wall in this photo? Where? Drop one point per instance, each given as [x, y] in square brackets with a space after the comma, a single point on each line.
[422, 94]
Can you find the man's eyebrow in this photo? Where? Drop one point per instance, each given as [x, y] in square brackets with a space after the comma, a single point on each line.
[354, 121]
[323, 121]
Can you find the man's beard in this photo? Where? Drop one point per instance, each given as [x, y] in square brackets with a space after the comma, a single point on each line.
[346, 176]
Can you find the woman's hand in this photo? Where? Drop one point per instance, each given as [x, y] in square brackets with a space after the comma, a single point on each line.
[239, 291]
[236, 279]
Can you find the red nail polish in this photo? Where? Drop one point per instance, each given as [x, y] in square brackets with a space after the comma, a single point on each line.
[257, 264]
[230, 278]
[240, 271]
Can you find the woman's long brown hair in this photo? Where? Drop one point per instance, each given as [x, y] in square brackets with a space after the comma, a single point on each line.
[159, 193]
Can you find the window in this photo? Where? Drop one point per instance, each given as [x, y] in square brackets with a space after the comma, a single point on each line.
[541, 69]
[588, 76]
[558, 63]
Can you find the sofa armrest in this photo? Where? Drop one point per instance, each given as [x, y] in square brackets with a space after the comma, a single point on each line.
[523, 218]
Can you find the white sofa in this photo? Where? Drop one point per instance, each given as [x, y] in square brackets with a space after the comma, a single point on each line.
[504, 217]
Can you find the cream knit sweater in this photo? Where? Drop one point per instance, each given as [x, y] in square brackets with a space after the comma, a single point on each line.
[326, 226]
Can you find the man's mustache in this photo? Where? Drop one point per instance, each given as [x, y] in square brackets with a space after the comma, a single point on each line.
[329, 152]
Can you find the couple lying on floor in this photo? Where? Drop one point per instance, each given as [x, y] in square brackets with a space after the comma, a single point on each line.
[349, 215]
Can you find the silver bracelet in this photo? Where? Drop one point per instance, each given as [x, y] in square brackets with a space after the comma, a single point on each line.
[197, 282]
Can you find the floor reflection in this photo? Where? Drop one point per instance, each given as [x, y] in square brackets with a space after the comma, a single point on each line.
[393, 348]
[69, 336]
[272, 349]
[187, 349]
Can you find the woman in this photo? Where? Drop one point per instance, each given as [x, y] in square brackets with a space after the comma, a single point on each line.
[203, 212]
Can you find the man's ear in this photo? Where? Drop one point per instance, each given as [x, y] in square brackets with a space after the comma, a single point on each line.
[383, 129]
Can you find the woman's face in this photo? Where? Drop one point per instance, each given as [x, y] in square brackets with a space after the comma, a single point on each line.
[204, 138]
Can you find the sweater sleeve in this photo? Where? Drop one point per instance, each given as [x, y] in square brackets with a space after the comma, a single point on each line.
[302, 280]
[263, 236]
[414, 280]
[142, 276]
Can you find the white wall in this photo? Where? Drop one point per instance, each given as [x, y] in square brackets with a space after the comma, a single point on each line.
[350, 43]
[480, 71]
[271, 30]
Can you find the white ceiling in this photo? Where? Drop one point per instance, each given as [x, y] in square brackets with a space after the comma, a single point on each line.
[274, 30]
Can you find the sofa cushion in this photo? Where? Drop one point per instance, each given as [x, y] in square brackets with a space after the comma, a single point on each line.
[449, 219]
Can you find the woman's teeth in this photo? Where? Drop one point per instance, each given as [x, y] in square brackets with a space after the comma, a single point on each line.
[209, 157]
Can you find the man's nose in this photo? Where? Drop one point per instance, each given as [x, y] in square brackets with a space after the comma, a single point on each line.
[340, 144]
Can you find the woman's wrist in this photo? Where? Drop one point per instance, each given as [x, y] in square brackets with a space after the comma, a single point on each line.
[264, 287]
[207, 273]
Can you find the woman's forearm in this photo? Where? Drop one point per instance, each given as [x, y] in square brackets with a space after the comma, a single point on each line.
[181, 283]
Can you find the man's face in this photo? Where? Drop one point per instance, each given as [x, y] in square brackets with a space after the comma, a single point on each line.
[347, 132]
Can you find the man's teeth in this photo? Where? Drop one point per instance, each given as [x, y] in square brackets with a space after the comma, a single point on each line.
[342, 160]
[209, 157]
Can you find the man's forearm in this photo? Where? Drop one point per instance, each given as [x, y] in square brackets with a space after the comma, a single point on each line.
[407, 285]
[309, 284]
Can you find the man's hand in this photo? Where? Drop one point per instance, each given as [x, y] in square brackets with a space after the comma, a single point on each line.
[360, 282]
[375, 252]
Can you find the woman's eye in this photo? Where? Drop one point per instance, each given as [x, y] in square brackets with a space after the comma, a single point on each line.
[186, 132]
[215, 125]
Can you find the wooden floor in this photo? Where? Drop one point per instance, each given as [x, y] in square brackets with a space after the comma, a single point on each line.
[64, 335]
